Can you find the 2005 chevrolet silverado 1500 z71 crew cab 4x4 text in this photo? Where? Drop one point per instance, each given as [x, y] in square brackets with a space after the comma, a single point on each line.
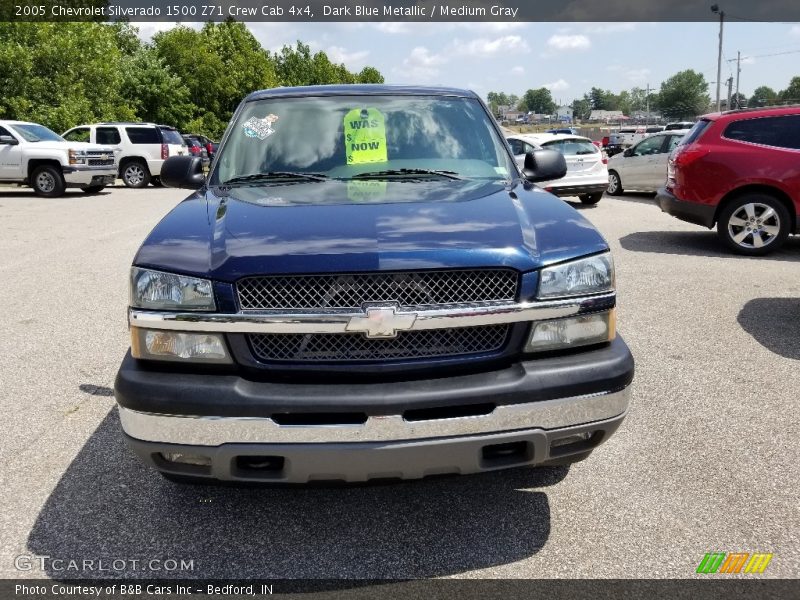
[367, 286]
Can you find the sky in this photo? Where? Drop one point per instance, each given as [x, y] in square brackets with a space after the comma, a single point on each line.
[567, 58]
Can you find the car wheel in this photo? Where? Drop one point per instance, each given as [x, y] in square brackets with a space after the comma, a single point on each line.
[590, 198]
[47, 181]
[135, 174]
[93, 189]
[614, 184]
[754, 224]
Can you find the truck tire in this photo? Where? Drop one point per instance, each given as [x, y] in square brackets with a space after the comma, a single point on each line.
[591, 198]
[614, 184]
[93, 189]
[135, 174]
[754, 224]
[47, 181]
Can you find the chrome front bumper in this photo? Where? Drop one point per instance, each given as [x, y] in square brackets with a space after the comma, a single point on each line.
[215, 431]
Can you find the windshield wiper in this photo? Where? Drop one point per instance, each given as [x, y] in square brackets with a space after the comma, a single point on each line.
[276, 176]
[390, 172]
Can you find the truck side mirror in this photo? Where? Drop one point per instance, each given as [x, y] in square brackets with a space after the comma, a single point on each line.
[544, 165]
[183, 172]
[8, 140]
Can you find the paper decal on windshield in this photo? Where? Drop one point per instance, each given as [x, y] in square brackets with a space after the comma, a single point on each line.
[365, 136]
[259, 128]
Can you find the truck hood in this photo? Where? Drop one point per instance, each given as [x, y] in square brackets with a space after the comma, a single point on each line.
[337, 226]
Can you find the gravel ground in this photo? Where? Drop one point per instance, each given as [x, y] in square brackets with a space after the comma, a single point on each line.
[707, 459]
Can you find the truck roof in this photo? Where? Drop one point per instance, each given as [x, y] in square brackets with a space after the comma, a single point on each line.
[360, 90]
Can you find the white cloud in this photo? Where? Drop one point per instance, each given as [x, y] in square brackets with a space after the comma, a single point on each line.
[484, 47]
[421, 65]
[518, 70]
[795, 30]
[337, 54]
[557, 86]
[569, 42]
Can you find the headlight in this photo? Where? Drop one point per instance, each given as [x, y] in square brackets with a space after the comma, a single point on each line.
[157, 344]
[561, 334]
[77, 157]
[165, 291]
[591, 275]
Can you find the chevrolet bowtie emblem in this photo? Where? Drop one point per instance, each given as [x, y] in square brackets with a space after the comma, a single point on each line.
[382, 322]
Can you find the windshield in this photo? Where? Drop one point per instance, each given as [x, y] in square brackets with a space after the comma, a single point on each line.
[36, 133]
[349, 136]
[696, 131]
[572, 146]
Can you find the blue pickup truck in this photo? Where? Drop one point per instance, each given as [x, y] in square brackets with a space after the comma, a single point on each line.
[366, 286]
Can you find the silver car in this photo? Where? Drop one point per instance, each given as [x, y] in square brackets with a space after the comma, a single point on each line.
[643, 167]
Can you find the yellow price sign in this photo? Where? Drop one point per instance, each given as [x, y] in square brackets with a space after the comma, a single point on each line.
[365, 136]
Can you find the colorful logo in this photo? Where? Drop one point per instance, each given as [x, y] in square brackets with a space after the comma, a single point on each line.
[734, 562]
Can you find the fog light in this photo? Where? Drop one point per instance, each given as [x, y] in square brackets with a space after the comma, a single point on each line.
[571, 439]
[559, 334]
[156, 344]
[187, 459]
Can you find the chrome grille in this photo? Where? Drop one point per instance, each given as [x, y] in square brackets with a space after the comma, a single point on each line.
[353, 347]
[99, 162]
[422, 288]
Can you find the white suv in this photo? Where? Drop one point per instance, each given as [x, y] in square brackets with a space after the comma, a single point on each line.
[140, 148]
[587, 174]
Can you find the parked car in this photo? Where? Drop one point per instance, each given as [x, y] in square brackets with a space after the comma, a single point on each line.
[643, 167]
[587, 175]
[140, 148]
[567, 130]
[679, 125]
[34, 156]
[739, 170]
[367, 303]
[207, 143]
[197, 148]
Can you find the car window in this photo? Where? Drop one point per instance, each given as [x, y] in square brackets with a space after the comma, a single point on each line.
[528, 147]
[673, 142]
[651, 145]
[171, 136]
[31, 132]
[80, 134]
[516, 146]
[349, 135]
[143, 135]
[695, 133]
[572, 146]
[107, 135]
[781, 132]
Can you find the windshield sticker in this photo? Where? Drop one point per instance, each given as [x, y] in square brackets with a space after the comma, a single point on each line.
[365, 136]
[259, 128]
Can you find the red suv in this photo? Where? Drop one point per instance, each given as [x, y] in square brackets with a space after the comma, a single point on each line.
[741, 170]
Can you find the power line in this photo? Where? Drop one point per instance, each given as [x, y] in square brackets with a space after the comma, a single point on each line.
[766, 55]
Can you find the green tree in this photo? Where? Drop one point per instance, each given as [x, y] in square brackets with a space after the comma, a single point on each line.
[370, 75]
[61, 74]
[791, 94]
[582, 107]
[538, 101]
[763, 96]
[154, 92]
[684, 95]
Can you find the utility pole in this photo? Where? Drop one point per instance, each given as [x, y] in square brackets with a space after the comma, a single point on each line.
[738, 72]
[730, 90]
[716, 10]
[647, 99]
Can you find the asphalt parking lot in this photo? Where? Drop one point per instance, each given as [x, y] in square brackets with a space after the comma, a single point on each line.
[707, 459]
